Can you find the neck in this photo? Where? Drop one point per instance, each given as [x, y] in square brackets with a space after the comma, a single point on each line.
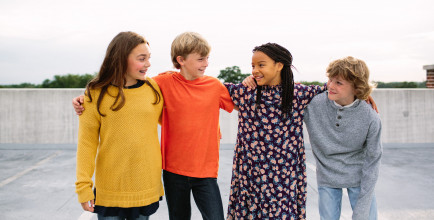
[188, 76]
[131, 82]
[345, 102]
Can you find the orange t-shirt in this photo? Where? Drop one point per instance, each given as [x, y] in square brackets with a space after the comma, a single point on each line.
[190, 132]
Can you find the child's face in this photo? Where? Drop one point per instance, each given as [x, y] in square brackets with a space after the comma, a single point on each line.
[193, 66]
[341, 91]
[138, 64]
[265, 70]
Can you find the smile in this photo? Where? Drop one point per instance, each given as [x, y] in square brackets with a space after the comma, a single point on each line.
[258, 77]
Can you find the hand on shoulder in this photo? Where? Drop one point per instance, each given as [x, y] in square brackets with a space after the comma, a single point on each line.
[167, 72]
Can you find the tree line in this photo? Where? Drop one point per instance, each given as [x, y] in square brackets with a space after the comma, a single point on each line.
[229, 74]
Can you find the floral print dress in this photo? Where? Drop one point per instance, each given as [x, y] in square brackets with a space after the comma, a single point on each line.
[269, 171]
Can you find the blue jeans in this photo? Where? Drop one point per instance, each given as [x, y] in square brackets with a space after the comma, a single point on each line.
[206, 194]
[330, 202]
[141, 217]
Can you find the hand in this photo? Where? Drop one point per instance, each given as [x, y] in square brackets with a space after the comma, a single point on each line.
[371, 101]
[249, 82]
[77, 103]
[167, 72]
[88, 207]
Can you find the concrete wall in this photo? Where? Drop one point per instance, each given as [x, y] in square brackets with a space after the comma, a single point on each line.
[38, 116]
[407, 116]
[46, 116]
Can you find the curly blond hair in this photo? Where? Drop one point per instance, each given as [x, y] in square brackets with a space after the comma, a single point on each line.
[355, 71]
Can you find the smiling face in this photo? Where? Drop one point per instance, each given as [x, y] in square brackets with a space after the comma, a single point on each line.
[265, 70]
[341, 91]
[193, 66]
[138, 64]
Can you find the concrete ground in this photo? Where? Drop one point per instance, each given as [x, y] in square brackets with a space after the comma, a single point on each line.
[37, 182]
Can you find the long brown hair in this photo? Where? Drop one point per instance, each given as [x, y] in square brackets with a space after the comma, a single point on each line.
[114, 68]
[280, 55]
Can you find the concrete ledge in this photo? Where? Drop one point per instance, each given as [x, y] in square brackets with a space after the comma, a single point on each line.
[46, 116]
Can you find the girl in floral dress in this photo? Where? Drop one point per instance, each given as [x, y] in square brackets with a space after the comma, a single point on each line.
[269, 172]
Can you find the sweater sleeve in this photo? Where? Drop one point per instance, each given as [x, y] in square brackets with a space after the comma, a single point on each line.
[88, 141]
[370, 170]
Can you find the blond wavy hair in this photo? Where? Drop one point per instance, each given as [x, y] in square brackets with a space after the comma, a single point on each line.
[188, 43]
[355, 71]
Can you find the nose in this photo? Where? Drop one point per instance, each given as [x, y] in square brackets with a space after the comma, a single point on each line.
[147, 64]
[330, 84]
[254, 70]
[206, 62]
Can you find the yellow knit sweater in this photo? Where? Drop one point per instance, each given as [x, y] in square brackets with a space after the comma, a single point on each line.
[122, 149]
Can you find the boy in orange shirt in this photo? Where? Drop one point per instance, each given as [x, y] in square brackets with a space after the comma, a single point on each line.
[190, 134]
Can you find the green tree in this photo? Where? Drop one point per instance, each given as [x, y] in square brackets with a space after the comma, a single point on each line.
[232, 74]
[68, 81]
[404, 84]
[311, 83]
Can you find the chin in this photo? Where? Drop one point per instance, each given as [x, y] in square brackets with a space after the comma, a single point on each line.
[331, 97]
[260, 83]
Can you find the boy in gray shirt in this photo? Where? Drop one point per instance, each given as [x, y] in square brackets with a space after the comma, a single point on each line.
[344, 133]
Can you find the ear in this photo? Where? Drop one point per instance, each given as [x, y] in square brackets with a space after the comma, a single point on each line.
[180, 60]
[279, 66]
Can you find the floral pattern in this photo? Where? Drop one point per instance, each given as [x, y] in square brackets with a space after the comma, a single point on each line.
[269, 171]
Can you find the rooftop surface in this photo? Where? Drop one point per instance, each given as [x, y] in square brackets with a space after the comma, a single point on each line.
[37, 182]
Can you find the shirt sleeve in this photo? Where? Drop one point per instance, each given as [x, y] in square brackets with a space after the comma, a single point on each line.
[370, 170]
[226, 102]
[88, 141]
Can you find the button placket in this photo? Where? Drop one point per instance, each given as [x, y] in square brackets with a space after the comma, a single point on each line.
[339, 116]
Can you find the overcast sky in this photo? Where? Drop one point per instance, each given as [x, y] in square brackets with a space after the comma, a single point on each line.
[40, 39]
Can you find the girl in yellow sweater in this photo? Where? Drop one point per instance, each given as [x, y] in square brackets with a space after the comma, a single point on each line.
[118, 138]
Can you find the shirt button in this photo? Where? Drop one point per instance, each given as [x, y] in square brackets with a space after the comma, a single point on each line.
[341, 109]
[339, 117]
[337, 125]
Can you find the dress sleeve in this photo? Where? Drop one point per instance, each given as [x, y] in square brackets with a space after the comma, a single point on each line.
[370, 170]
[306, 93]
[88, 140]
[235, 91]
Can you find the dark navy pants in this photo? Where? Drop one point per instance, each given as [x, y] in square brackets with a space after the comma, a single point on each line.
[205, 191]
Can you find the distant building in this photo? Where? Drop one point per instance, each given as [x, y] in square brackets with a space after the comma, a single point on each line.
[429, 76]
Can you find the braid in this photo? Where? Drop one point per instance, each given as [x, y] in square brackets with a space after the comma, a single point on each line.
[281, 55]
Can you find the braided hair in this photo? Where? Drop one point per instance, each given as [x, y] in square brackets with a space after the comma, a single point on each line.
[280, 55]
